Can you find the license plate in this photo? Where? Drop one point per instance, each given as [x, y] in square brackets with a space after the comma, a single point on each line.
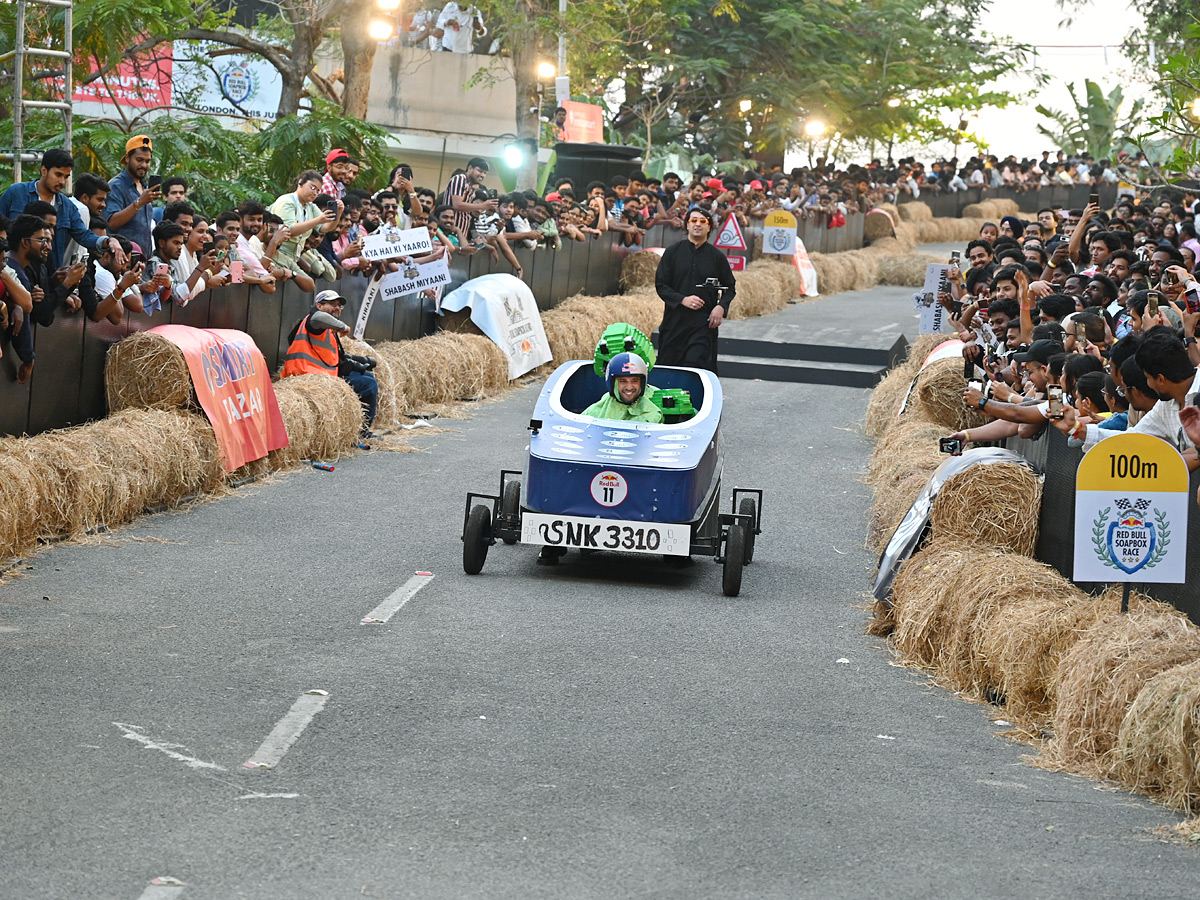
[606, 534]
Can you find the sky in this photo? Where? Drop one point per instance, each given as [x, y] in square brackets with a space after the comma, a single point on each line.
[1037, 22]
[1013, 130]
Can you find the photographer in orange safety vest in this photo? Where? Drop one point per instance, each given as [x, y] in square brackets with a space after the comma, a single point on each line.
[315, 349]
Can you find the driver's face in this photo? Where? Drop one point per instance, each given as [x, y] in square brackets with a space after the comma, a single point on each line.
[628, 387]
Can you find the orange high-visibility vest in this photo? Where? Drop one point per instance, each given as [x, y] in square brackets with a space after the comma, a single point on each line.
[311, 352]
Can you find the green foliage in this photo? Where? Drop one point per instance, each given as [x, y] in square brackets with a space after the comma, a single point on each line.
[684, 66]
[1173, 130]
[1095, 124]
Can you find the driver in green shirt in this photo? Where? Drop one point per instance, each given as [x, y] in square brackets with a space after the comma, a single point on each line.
[626, 398]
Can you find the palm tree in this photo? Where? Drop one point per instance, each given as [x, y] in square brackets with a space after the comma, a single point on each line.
[1094, 126]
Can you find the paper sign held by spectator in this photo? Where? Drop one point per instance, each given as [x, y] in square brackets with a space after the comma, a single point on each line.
[234, 389]
[504, 309]
[779, 233]
[411, 279]
[364, 308]
[387, 242]
[1131, 509]
[933, 315]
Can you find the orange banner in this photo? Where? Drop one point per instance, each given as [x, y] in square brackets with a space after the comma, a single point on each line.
[234, 389]
[585, 122]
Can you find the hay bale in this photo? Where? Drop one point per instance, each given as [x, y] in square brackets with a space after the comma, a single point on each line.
[939, 390]
[1158, 745]
[991, 584]
[994, 505]
[904, 270]
[923, 594]
[299, 420]
[923, 346]
[877, 225]
[386, 414]
[638, 270]
[1029, 638]
[458, 322]
[443, 368]
[909, 446]
[146, 371]
[916, 211]
[884, 405]
[991, 209]
[1103, 672]
[337, 413]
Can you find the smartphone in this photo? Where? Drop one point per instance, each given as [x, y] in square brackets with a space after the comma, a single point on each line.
[1080, 332]
[1094, 198]
[1168, 278]
[406, 171]
[953, 446]
[1055, 394]
[954, 257]
[163, 269]
[153, 181]
[235, 272]
[1192, 299]
[1152, 301]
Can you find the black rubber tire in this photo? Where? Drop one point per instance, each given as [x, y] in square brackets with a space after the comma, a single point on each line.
[476, 539]
[735, 555]
[510, 504]
[746, 508]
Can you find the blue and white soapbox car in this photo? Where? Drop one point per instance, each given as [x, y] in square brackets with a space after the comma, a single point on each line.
[595, 484]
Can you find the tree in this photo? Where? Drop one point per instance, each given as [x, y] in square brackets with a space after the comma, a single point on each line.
[1095, 124]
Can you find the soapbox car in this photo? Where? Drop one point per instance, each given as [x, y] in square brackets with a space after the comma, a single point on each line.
[594, 484]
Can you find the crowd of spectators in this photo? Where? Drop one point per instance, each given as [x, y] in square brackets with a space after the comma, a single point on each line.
[1085, 320]
[130, 244]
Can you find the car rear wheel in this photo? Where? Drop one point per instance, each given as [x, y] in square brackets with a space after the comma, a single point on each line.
[746, 508]
[510, 506]
[735, 555]
[477, 537]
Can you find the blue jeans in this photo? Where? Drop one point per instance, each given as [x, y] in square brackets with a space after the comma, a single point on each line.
[367, 388]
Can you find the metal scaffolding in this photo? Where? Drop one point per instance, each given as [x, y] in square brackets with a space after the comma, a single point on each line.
[22, 50]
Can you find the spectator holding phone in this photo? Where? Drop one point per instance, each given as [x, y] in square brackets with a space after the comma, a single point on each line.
[128, 209]
[301, 215]
[48, 187]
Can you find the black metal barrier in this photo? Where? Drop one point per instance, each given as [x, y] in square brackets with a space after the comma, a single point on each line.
[67, 387]
[1056, 537]
[950, 204]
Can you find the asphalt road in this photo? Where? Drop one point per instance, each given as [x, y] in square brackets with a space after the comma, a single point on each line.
[605, 729]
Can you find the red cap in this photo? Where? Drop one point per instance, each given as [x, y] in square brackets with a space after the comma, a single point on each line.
[335, 156]
[714, 184]
[553, 197]
[756, 185]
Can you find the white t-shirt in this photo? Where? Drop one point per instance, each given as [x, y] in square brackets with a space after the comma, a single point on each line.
[426, 19]
[462, 38]
[75, 252]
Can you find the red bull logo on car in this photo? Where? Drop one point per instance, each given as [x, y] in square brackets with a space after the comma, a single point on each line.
[609, 488]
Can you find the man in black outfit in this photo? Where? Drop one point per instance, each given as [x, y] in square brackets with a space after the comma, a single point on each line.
[697, 286]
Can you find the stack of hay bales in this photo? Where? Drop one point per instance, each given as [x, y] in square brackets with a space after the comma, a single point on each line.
[146, 371]
[64, 483]
[1104, 694]
[991, 210]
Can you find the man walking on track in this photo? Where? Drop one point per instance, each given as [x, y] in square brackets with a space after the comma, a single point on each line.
[697, 286]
